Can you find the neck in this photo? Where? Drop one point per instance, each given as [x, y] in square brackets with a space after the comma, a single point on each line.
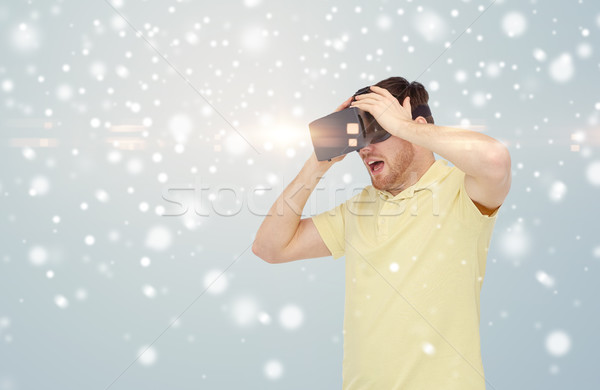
[413, 173]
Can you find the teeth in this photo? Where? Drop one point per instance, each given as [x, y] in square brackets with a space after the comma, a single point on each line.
[372, 162]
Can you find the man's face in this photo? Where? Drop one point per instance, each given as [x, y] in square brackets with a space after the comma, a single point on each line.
[388, 163]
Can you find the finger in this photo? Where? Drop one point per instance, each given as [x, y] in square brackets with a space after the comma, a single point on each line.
[344, 105]
[406, 103]
[370, 103]
[377, 89]
[387, 95]
[339, 158]
[381, 91]
[368, 107]
[367, 102]
[369, 99]
[372, 95]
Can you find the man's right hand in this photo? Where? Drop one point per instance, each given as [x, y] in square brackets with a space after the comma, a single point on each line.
[322, 166]
[344, 105]
[284, 236]
[325, 165]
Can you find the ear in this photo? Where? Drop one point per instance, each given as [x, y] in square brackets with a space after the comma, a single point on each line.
[420, 119]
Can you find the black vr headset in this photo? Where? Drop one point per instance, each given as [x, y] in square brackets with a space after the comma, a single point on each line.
[350, 130]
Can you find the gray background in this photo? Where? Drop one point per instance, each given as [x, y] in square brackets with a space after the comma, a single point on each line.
[76, 314]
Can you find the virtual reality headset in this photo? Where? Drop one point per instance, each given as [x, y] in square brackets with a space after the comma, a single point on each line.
[350, 129]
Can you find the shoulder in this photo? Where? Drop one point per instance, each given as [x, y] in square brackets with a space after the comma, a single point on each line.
[469, 206]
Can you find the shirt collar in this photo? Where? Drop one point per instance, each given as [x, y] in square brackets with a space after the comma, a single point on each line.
[435, 172]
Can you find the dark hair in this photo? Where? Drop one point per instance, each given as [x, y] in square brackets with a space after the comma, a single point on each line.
[401, 88]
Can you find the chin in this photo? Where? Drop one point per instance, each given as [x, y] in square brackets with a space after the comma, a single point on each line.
[379, 184]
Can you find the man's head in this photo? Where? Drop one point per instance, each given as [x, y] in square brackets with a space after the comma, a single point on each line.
[401, 88]
[398, 163]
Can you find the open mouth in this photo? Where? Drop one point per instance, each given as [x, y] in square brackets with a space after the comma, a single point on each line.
[376, 166]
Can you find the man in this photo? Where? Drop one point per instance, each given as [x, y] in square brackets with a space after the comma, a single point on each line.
[415, 243]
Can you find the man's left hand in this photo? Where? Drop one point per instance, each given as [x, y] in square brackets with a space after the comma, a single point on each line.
[385, 108]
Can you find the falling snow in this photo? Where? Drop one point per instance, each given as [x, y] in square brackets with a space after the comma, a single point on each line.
[110, 126]
[291, 317]
[158, 238]
[273, 369]
[245, 311]
[562, 68]
[147, 356]
[558, 343]
[514, 24]
[215, 281]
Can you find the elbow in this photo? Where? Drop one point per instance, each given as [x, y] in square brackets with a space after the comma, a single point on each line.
[258, 251]
[262, 253]
[499, 162]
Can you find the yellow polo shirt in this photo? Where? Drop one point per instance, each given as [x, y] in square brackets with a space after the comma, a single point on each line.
[415, 264]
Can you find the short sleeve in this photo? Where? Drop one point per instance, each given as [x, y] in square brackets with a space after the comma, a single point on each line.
[468, 212]
[331, 226]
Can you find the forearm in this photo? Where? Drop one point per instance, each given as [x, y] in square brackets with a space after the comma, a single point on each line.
[474, 153]
[281, 223]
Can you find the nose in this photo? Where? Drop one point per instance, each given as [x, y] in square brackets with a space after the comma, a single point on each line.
[365, 151]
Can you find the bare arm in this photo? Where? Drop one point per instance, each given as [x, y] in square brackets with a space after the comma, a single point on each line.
[284, 236]
[484, 160]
